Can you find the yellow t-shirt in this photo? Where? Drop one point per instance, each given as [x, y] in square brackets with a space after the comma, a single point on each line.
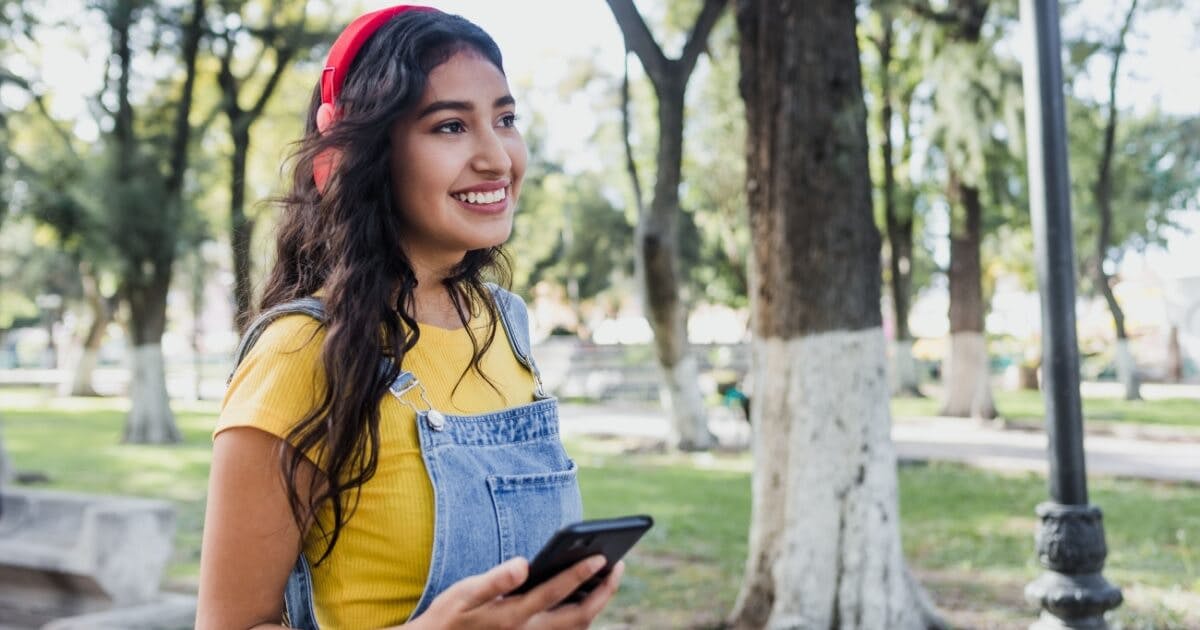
[377, 571]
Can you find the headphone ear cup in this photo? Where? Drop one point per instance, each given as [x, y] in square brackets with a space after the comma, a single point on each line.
[323, 165]
[327, 160]
[325, 116]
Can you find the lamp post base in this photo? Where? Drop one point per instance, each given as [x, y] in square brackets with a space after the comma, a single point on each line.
[1077, 602]
[1072, 593]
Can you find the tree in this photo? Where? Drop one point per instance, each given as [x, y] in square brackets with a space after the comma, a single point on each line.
[1102, 190]
[824, 536]
[146, 208]
[658, 226]
[1133, 171]
[970, 104]
[57, 190]
[282, 42]
[896, 84]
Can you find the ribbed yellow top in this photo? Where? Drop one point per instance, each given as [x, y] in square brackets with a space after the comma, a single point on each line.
[378, 569]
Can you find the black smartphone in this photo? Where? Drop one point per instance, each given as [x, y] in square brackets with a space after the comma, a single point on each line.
[610, 537]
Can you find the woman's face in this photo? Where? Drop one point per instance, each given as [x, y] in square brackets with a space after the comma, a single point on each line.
[457, 162]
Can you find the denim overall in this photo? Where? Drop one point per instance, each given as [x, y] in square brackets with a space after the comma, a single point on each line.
[502, 482]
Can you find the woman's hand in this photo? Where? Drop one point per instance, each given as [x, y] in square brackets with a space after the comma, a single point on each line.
[479, 602]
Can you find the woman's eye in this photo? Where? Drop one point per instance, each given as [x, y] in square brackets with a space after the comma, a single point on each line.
[451, 127]
[508, 120]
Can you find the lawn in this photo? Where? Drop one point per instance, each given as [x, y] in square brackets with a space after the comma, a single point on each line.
[967, 533]
[1028, 406]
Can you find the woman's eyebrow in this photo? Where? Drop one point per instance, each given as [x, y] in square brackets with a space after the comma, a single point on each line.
[463, 106]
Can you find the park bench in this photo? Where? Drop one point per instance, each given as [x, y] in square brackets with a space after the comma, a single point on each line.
[65, 554]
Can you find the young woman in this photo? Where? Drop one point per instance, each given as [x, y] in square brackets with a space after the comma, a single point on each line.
[385, 454]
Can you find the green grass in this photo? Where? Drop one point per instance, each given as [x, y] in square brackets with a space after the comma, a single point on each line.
[76, 443]
[968, 533]
[976, 526]
[1027, 405]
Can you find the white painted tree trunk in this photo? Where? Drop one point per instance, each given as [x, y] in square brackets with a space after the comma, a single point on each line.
[150, 418]
[967, 378]
[905, 380]
[1127, 371]
[81, 381]
[689, 419]
[826, 534]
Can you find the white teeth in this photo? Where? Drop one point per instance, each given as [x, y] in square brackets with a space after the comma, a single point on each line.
[482, 198]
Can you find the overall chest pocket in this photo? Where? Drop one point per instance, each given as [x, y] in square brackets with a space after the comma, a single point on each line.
[530, 508]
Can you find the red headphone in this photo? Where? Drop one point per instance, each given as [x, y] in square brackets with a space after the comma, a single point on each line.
[341, 56]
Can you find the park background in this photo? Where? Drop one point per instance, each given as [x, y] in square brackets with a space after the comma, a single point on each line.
[72, 237]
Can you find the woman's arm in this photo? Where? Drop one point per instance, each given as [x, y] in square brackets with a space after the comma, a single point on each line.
[251, 541]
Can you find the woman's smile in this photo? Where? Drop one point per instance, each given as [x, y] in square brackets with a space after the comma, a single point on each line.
[488, 198]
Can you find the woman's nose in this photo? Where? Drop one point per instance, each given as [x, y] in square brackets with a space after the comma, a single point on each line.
[491, 154]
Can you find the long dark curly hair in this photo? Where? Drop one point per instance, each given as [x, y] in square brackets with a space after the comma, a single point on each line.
[345, 242]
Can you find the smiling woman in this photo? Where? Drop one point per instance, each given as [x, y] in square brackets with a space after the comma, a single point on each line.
[385, 453]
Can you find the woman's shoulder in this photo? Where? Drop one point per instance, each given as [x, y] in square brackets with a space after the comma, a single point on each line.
[279, 378]
[289, 333]
[287, 346]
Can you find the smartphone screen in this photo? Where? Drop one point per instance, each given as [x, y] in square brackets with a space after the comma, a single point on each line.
[610, 537]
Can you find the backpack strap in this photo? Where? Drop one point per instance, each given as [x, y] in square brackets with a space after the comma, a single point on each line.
[310, 306]
[515, 318]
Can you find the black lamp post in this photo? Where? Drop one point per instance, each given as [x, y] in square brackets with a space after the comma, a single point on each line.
[1072, 592]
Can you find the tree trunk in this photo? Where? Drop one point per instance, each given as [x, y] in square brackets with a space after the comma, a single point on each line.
[150, 419]
[905, 381]
[1027, 377]
[1127, 371]
[85, 367]
[906, 374]
[1103, 190]
[824, 536]
[241, 227]
[1174, 357]
[657, 230]
[967, 374]
[147, 275]
[1126, 366]
[657, 244]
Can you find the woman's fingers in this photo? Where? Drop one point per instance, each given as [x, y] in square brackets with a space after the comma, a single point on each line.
[557, 588]
[478, 590]
[598, 598]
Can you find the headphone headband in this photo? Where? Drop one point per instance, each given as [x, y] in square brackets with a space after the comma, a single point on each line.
[347, 45]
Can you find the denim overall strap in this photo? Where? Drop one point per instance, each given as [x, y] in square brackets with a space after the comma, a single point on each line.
[515, 318]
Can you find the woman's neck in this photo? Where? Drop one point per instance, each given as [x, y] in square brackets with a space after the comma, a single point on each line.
[432, 303]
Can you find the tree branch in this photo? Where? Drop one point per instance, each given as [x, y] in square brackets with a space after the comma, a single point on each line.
[639, 39]
[698, 39]
[182, 132]
[228, 80]
[922, 8]
[282, 57]
[627, 129]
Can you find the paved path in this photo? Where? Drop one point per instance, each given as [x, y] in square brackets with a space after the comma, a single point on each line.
[948, 439]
